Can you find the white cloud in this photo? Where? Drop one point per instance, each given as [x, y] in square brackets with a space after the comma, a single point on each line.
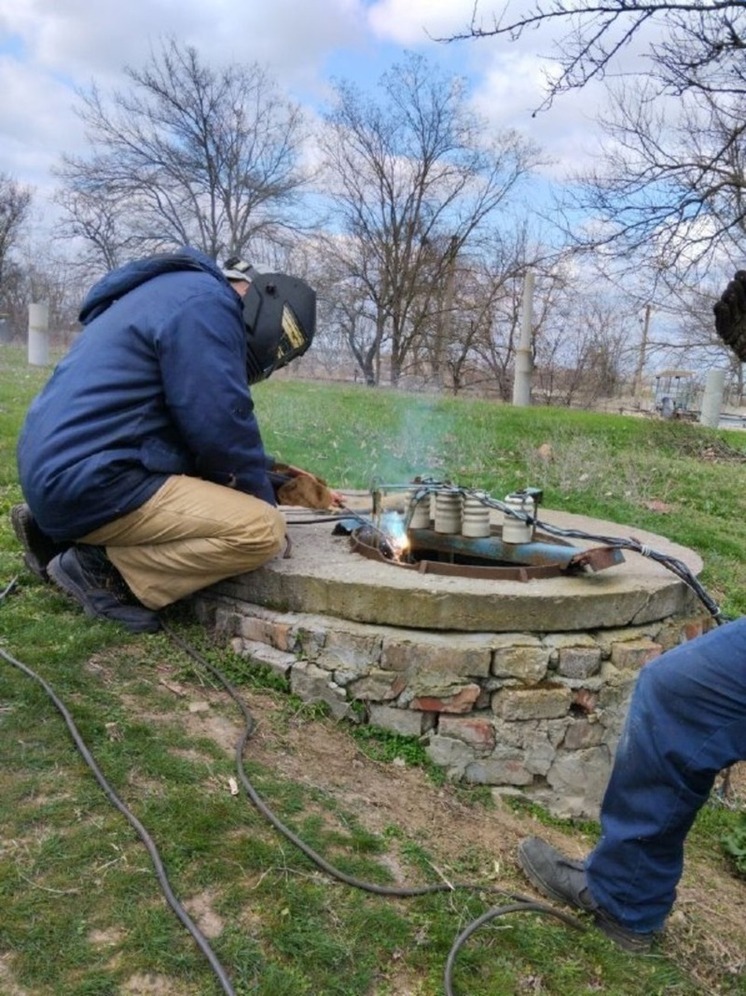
[98, 37]
[508, 76]
[512, 88]
[47, 48]
[36, 122]
[412, 22]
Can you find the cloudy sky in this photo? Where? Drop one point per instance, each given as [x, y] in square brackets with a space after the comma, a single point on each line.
[48, 47]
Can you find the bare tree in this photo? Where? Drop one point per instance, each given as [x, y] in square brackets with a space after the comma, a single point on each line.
[594, 34]
[670, 188]
[186, 155]
[101, 224]
[583, 352]
[15, 202]
[498, 336]
[350, 296]
[39, 274]
[413, 181]
[477, 330]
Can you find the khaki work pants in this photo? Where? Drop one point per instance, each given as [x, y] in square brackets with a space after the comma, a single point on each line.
[189, 535]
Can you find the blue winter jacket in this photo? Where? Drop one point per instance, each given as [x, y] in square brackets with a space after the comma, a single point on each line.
[154, 385]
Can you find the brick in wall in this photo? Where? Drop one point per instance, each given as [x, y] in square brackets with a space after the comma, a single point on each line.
[532, 703]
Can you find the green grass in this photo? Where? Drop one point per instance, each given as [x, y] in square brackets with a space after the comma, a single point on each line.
[81, 910]
[677, 479]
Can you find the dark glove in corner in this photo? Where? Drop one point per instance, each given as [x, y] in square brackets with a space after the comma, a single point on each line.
[730, 315]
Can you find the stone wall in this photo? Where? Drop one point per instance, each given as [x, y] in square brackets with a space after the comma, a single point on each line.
[537, 714]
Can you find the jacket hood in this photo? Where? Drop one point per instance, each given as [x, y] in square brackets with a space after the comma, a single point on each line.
[119, 282]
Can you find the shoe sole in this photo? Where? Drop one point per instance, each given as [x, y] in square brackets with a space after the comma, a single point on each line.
[628, 941]
[19, 520]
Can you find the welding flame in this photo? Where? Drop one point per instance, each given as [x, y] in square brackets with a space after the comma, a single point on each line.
[392, 525]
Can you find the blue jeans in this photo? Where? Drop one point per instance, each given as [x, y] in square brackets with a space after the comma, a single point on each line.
[686, 722]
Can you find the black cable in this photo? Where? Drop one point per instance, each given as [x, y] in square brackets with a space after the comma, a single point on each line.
[672, 564]
[522, 907]
[421, 489]
[290, 835]
[518, 902]
[142, 833]
[677, 567]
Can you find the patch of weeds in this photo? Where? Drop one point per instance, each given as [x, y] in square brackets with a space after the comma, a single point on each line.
[308, 712]
[381, 745]
[734, 845]
[359, 710]
[473, 863]
[719, 824]
[359, 839]
[475, 796]
[307, 929]
[238, 669]
[264, 678]
[524, 807]
[417, 855]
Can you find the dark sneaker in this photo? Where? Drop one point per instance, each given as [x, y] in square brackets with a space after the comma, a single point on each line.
[38, 548]
[563, 880]
[86, 573]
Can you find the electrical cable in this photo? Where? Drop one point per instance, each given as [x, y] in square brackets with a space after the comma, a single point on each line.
[518, 902]
[285, 831]
[428, 486]
[202, 943]
[673, 564]
[522, 907]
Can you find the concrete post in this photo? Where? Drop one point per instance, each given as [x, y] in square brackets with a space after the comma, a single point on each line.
[38, 335]
[712, 400]
[524, 363]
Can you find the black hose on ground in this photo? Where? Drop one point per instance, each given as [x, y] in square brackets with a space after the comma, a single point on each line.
[517, 902]
[160, 871]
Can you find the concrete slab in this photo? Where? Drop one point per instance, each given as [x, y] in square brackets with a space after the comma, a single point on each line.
[323, 575]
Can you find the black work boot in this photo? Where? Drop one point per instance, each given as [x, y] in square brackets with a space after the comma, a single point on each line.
[38, 548]
[86, 573]
[563, 880]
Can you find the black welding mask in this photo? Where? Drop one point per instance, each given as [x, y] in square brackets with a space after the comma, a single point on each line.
[280, 317]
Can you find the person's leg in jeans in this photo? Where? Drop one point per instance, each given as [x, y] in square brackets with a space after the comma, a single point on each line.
[686, 722]
[190, 534]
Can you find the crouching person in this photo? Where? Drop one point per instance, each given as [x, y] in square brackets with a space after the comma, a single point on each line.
[141, 461]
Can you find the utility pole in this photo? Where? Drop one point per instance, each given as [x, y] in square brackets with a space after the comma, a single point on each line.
[637, 386]
[524, 361]
[445, 318]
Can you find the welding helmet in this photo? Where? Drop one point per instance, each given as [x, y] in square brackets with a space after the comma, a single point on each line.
[279, 313]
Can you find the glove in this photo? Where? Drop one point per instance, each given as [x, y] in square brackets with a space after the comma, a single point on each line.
[294, 487]
[730, 315]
